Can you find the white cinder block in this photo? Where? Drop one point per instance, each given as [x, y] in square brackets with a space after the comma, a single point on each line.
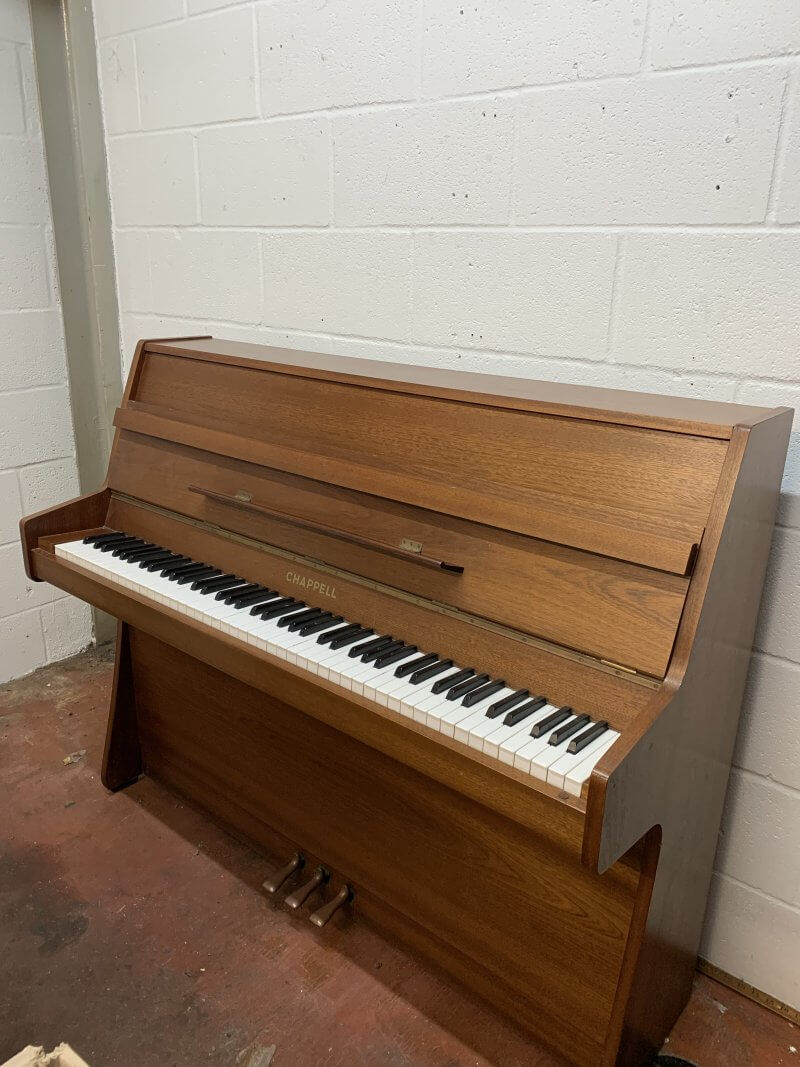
[46, 484]
[23, 182]
[206, 274]
[33, 349]
[67, 626]
[35, 426]
[753, 937]
[726, 303]
[778, 629]
[760, 836]
[685, 31]
[152, 179]
[121, 16]
[197, 7]
[338, 282]
[266, 174]
[788, 202]
[23, 269]
[544, 294]
[198, 71]
[505, 43]
[789, 504]
[10, 507]
[21, 645]
[118, 85]
[131, 250]
[18, 592]
[443, 163]
[683, 148]
[12, 107]
[321, 55]
[769, 729]
[14, 21]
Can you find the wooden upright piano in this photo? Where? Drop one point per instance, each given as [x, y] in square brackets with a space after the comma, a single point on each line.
[463, 655]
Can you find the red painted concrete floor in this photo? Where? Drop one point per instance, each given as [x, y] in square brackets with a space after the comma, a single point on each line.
[135, 929]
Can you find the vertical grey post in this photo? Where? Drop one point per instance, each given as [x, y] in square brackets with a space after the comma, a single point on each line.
[66, 72]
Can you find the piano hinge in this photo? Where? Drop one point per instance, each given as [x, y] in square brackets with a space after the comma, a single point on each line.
[618, 666]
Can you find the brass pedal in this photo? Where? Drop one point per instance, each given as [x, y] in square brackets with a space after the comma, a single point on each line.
[300, 896]
[276, 880]
[327, 911]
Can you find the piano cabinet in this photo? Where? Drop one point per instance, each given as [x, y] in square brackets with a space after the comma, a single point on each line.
[577, 912]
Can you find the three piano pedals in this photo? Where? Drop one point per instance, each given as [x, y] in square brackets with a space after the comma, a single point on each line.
[319, 878]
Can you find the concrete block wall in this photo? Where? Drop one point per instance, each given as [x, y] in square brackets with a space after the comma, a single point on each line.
[38, 624]
[604, 192]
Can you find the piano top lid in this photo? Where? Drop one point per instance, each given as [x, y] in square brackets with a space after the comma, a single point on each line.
[703, 418]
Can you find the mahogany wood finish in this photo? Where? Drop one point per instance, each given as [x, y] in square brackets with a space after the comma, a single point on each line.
[613, 548]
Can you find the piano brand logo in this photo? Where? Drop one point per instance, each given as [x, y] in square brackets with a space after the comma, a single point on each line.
[313, 585]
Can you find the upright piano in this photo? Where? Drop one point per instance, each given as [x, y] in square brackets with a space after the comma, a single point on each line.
[463, 655]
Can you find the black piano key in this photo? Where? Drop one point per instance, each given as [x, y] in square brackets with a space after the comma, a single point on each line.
[177, 565]
[232, 586]
[468, 686]
[343, 631]
[143, 553]
[451, 680]
[216, 583]
[568, 729]
[582, 740]
[274, 611]
[324, 622]
[424, 673]
[485, 691]
[370, 650]
[281, 602]
[229, 595]
[297, 627]
[386, 659]
[249, 600]
[506, 704]
[363, 648]
[115, 544]
[187, 568]
[133, 552]
[294, 622]
[190, 576]
[118, 547]
[549, 722]
[154, 562]
[416, 664]
[308, 614]
[103, 539]
[524, 710]
[348, 638]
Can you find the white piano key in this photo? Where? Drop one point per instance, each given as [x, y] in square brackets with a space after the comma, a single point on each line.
[504, 744]
[576, 767]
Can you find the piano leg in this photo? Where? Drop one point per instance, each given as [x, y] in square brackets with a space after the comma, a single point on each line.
[122, 756]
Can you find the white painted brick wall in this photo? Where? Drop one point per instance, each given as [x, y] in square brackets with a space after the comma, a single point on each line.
[599, 191]
[38, 624]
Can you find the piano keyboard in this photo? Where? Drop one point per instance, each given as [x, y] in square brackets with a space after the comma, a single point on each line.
[518, 727]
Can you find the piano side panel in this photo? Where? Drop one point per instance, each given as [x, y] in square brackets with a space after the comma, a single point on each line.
[488, 464]
[602, 607]
[550, 955]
